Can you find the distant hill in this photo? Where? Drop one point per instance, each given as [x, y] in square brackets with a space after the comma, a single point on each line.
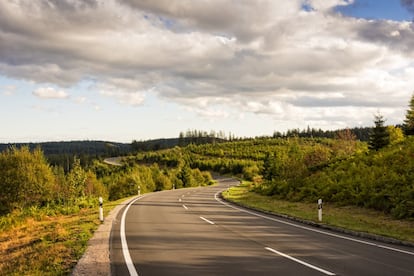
[87, 150]
[156, 144]
[167, 143]
[108, 149]
[95, 148]
[361, 133]
[62, 153]
[105, 148]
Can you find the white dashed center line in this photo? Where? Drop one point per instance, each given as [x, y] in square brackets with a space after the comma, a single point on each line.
[301, 262]
[206, 220]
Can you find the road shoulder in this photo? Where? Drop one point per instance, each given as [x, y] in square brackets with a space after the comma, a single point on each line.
[96, 259]
[340, 230]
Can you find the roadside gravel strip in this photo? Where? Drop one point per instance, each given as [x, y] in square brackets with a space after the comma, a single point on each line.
[96, 261]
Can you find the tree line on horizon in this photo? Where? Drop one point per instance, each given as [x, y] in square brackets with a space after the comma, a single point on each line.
[199, 137]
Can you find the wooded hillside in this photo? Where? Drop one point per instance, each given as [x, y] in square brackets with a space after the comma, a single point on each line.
[341, 171]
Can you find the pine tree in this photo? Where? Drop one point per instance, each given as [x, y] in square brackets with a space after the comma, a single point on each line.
[379, 137]
[268, 167]
[408, 126]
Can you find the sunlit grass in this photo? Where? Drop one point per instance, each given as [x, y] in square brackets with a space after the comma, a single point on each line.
[43, 244]
[352, 218]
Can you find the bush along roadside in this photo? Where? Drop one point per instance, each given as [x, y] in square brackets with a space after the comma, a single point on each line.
[347, 219]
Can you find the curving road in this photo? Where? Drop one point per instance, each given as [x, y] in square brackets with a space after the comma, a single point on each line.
[114, 161]
[192, 232]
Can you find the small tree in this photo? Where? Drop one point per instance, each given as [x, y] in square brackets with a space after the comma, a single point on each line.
[345, 142]
[26, 179]
[271, 167]
[76, 180]
[379, 137]
[408, 125]
[185, 176]
[396, 134]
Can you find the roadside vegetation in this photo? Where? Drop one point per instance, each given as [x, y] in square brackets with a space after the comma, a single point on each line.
[42, 241]
[341, 171]
[345, 217]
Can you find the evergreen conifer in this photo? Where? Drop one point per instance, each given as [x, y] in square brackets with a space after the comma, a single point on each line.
[379, 137]
[408, 126]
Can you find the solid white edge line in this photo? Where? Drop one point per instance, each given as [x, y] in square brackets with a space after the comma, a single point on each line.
[206, 220]
[312, 229]
[125, 251]
[185, 207]
[301, 262]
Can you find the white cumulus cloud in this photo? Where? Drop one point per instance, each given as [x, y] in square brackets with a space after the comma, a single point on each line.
[268, 57]
[125, 97]
[50, 93]
[8, 90]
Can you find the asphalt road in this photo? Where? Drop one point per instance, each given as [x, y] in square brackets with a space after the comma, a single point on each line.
[192, 232]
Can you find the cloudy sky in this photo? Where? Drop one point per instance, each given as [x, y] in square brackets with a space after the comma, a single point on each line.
[120, 70]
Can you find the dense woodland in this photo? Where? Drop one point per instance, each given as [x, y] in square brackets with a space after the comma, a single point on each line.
[27, 179]
[95, 148]
[376, 173]
[63, 153]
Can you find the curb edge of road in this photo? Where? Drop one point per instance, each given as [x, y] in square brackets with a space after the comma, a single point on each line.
[365, 235]
[97, 254]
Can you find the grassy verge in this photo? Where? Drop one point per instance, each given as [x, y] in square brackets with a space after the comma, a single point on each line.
[352, 218]
[43, 244]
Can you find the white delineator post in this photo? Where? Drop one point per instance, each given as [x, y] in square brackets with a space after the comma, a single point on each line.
[101, 218]
[320, 209]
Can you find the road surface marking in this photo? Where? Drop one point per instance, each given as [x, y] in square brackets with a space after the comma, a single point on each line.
[185, 207]
[206, 220]
[125, 251]
[299, 261]
[311, 229]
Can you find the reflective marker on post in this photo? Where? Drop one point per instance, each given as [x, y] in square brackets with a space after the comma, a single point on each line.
[101, 209]
[320, 209]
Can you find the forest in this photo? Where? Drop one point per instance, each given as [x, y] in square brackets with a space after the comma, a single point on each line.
[27, 179]
[63, 153]
[343, 170]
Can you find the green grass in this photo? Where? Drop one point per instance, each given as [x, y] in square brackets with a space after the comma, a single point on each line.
[352, 218]
[41, 242]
